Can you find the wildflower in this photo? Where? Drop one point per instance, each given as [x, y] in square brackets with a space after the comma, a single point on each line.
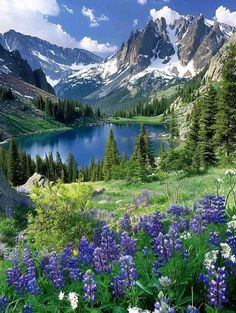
[108, 244]
[191, 309]
[165, 282]
[128, 244]
[230, 172]
[117, 287]
[27, 309]
[3, 304]
[211, 258]
[85, 251]
[152, 224]
[217, 289]
[214, 239]
[125, 223]
[176, 211]
[185, 235]
[137, 310]
[61, 295]
[162, 305]
[219, 180]
[100, 261]
[226, 252]
[73, 299]
[128, 271]
[53, 270]
[90, 287]
[232, 224]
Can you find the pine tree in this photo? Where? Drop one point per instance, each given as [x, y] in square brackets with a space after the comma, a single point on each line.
[111, 156]
[192, 142]
[72, 171]
[13, 163]
[207, 128]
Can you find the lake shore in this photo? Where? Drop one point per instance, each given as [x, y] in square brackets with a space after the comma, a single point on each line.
[152, 120]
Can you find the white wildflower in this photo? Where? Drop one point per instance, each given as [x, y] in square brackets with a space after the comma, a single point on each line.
[230, 172]
[232, 224]
[185, 235]
[137, 310]
[227, 252]
[61, 295]
[73, 298]
[219, 180]
[210, 258]
[165, 281]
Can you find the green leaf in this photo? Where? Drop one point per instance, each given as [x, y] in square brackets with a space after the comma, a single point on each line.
[143, 288]
[119, 309]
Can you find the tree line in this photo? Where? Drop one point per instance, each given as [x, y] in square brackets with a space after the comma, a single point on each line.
[212, 135]
[65, 111]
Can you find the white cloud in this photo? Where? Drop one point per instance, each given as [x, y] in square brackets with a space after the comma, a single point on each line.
[224, 15]
[142, 2]
[68, 10]
[166, 12]
[88, 43]
[94, 20]
[135, 22]
[31, 18]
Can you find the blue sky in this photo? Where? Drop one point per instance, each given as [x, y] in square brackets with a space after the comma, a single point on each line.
[98, 25]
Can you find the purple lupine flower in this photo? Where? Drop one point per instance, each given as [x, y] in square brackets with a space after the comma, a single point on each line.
[152, 224]
[165, 246]
[97, 236]
[214, 239]
[15, 279]
[70, 263]
[30, 277]
[176, 211]
[125, 223]
[85, 251]
[117, 287]
[212, 209]
[100, 261]
[108, 244]
[203, 278]
[3, 303]
[191, 309]
[52, 269]
[146, 251]
[128, 271]
[27, 309]
[196, 224]
[90, 287]
[128, 244]
[163, 306]
[180, 225]
[217, 288]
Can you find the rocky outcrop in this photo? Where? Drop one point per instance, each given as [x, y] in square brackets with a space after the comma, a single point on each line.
[11, 63]
[214, 71]
[9, 197]
[35, 180]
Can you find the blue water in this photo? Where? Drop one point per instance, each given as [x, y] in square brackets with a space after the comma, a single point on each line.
[87, 142]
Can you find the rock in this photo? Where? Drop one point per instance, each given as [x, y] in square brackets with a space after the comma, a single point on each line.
[34, 180]
[98, 192]
[10, 198]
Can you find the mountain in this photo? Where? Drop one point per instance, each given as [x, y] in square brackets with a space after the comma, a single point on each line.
[158, 56]
[56, 62]
[14, 68]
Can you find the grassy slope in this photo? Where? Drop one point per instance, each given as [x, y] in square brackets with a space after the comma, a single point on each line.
[119, 194]
[21, 125]
[137, 120]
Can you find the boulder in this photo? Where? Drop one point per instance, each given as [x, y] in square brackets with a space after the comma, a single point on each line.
[34, 180]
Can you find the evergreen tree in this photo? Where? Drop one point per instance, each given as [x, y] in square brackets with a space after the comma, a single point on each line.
[72, 171]
[111, 156]
[207, 128]
[13, 163]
